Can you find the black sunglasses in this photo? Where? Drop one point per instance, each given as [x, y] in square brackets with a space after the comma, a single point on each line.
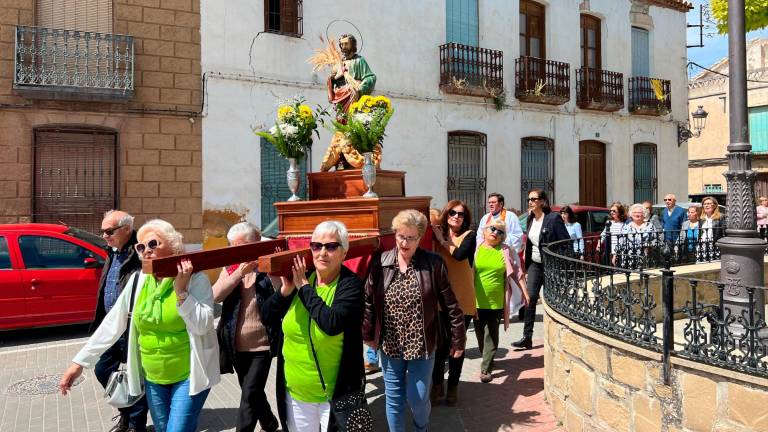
[151, 245]
[453, 213]
[496, 230]
[110, 231]
[330, 246]
[534, 199]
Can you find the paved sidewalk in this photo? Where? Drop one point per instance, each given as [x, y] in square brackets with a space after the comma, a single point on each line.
[513, 401]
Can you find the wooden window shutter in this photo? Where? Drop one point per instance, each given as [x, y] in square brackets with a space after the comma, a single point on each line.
[83, 15]
[289, 11]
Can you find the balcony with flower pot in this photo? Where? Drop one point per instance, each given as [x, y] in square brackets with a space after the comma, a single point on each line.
[542, 81]
[649, 96]
[470, 70]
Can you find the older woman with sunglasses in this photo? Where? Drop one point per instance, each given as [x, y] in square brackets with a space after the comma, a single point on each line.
[171, 340]
[457, 247]
[497, 277]
[405, 290]
[320, 315]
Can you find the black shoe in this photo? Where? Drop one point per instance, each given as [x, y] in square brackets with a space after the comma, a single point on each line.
[272, 426]
[122, 424]
[525, 343]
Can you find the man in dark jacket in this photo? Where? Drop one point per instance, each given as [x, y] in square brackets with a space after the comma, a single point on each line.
[117, 231]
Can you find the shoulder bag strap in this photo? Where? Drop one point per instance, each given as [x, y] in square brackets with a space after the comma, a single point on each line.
[133, 295]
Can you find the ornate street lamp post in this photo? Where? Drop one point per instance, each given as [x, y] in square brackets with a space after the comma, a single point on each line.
[742, 250]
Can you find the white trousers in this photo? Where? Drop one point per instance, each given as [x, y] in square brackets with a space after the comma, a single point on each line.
[307, 416]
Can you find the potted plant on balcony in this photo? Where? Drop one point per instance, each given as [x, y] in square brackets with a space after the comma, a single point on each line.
[363, 125]
[292, 137]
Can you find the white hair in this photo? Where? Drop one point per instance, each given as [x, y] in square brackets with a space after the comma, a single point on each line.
[124, 220]
[247, 229]
[333, 227]
[641, 207]
[166, 231]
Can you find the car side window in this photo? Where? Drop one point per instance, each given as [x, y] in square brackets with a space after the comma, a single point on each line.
[598, 219]
[5, 254]
[40, 252]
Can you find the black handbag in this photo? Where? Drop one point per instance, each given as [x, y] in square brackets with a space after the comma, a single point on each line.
[350, 411]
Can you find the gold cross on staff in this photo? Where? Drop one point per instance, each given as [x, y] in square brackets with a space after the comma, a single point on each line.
[276, 264]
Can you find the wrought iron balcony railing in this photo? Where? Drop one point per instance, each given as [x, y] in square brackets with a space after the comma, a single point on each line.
[471, 70]
[649, 96]
[598, 89]
[71, 64]
[542, 81]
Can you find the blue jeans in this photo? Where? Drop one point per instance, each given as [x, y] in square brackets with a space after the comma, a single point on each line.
[172, 408]
[407, 381]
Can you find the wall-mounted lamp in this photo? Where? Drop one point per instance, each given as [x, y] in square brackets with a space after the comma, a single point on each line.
[699, 121]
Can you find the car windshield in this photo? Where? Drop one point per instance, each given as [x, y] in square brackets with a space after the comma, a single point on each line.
[86, 236]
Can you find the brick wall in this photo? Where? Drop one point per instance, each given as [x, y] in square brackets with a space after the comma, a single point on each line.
[159, 134]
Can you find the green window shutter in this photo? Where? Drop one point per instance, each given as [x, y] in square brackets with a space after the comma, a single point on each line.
[758, 129]
[274, 185]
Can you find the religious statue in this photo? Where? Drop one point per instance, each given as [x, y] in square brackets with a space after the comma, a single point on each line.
[350, 78]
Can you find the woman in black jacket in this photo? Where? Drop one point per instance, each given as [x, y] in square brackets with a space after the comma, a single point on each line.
[246, 344]
[544, 227]
[320, 315]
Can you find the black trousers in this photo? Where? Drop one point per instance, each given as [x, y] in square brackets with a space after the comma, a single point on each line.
[252, 372]
[109, 362]
[534, 284]
[454, 364]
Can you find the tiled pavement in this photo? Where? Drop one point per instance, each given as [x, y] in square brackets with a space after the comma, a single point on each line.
[513, 401]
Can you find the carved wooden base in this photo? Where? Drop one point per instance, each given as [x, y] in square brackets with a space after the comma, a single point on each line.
[362, 216]
[349, 184]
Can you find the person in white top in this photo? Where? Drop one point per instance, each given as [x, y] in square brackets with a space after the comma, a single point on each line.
[496, 210]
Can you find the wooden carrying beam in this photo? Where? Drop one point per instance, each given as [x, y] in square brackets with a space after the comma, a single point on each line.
[279, 264]
[212, 258]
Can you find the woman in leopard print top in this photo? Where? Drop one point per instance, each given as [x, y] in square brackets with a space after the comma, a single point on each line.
[404, 288]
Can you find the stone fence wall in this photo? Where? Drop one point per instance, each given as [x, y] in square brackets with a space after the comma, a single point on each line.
[597, 383]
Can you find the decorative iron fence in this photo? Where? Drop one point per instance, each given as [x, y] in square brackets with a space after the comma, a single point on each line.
[542, 81]
[471, 70]
[599, 89]
[614, 285]
[71, 64]
[649, 96]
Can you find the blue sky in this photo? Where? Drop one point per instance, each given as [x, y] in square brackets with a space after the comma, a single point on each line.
[716, 46]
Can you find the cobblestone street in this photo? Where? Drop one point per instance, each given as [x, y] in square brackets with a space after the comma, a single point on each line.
[514, 401]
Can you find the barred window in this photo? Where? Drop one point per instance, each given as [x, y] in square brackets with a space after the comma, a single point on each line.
[83, 15]
[284, 17]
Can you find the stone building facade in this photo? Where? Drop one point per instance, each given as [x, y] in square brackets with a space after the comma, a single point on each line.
[125, 134]
[706, 153]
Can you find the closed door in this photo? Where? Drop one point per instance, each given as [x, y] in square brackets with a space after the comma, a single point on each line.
[645, 172]
[592, 184]
[274, 186]
[12, 293]
[75, 177]
[641, 55]
[537, 168]
[467, 170]
[61, 284]
[532, 33]
[462, 22]
[590, 42]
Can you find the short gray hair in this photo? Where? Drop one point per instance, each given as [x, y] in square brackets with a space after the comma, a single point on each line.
[333, 227]
[166, 231]
[247, 229]
[638, 206]
[124, 220]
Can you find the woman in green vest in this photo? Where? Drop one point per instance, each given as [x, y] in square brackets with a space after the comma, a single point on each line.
[320, 315]
[499, 284]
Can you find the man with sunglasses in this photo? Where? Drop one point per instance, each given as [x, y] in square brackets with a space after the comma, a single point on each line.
[496, 211]
[672, 218]
[122, 260]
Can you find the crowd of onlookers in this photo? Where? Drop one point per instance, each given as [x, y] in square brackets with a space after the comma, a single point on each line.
[154, 338]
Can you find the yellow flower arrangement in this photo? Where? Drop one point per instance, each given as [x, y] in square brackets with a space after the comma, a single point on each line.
[305, 112]
[284, 111]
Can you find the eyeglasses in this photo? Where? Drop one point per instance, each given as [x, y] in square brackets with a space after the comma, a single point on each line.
[613, 211]
[533, 199]
[151, 245]
[668, 199]
[330, 246]
[495, 230]
[453, 213]
[110, 231]
[409, 239]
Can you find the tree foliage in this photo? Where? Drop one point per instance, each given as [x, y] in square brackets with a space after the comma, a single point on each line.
[756, 14]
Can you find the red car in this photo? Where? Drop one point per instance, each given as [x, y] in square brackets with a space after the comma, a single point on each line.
[49, 275]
